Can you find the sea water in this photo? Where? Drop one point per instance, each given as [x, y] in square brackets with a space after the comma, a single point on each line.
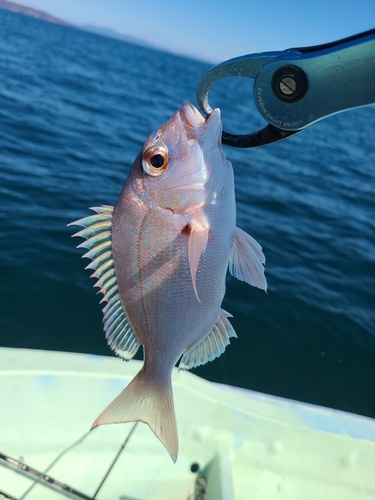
[75, 109]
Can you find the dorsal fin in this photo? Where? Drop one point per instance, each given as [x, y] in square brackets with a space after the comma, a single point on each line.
[98, 235]
[210, 347]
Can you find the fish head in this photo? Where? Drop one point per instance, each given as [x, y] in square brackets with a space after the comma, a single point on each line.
[182, 167]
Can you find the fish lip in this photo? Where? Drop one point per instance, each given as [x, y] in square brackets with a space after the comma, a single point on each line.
[214, 116]
[212, 129]
[190, 115]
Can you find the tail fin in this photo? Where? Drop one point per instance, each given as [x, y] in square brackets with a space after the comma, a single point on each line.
[151, 403]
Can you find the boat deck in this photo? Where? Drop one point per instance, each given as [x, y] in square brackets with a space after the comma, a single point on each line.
[248, 445]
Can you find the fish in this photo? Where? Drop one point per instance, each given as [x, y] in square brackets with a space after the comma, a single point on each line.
[160, 257]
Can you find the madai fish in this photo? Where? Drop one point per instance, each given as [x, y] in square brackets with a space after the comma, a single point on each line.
[160, 257]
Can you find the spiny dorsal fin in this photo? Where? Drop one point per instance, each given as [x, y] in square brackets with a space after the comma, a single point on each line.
[98, 235]
[246, 260]
[210, 347]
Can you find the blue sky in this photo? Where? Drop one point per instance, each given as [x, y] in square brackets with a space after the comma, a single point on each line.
[216, 30]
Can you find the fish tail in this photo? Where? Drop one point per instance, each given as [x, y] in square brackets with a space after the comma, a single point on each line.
[148, 402]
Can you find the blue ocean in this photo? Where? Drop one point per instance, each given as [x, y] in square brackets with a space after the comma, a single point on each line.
[75, 109]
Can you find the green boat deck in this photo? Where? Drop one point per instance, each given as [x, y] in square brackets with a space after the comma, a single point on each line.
[248, 445]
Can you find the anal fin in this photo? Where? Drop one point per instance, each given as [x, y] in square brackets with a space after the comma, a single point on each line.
[210, 347]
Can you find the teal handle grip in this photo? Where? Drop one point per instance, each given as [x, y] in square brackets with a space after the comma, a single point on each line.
[302, 86]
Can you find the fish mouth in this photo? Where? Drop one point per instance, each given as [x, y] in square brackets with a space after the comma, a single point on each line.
[196, 126]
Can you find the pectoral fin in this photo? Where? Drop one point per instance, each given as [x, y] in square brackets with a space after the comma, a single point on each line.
[210, 347]
[197, 244]
[246, 261]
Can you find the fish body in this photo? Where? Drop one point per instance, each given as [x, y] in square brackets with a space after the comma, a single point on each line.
[161, 256]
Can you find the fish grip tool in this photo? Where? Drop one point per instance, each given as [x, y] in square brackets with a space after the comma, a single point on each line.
[296, 88]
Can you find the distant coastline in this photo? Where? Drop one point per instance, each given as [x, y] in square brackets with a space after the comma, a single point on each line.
[28, 11]
[37, 14]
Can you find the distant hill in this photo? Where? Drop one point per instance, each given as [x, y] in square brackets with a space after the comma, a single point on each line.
[28, 11]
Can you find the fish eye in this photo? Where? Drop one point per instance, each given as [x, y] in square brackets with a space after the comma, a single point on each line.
[155, 161]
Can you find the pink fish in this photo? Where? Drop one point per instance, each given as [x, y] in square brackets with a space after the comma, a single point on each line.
[161, 255]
